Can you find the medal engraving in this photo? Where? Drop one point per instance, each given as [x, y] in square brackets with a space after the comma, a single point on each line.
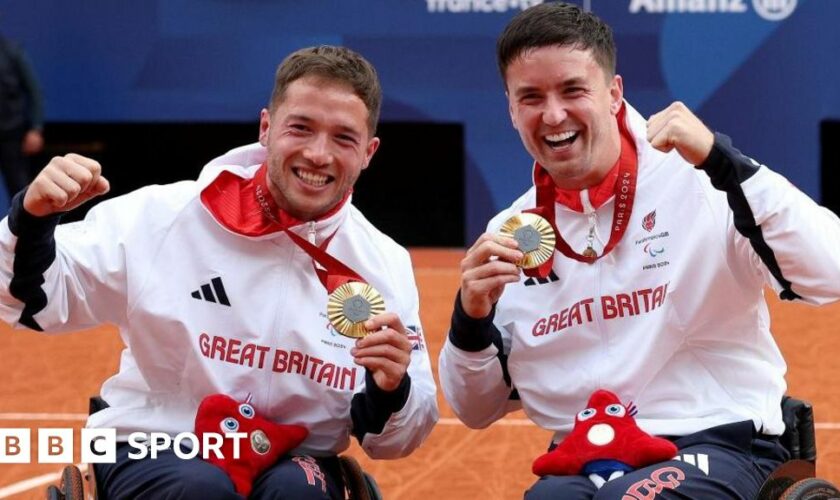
[356, 309]
[350, 305]
[534, 235]
[528, 238]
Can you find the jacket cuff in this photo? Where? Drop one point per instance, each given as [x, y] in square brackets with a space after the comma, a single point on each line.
[387, 402]
[726, 166]
[470, 334]
[23, 224]
[371, 409]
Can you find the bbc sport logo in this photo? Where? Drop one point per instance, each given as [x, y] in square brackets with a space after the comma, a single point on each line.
[55, 445]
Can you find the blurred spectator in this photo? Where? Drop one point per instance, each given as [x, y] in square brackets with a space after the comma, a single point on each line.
[21, 116]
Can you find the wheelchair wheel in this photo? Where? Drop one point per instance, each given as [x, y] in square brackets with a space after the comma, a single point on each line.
[53, 493]
[811, 489]
[372, 487]
[72, 484]
[355, 483]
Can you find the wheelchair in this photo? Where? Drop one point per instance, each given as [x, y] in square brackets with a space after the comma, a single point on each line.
[796, 479]
[358, 484]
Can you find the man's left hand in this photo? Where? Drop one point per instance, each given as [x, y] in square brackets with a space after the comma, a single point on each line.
[676, 127]
[386, 352]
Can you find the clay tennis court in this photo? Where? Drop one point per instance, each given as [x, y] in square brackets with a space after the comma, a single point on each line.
[48, 379]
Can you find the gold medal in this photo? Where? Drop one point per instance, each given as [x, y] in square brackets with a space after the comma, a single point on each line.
[535, 236]
[590, 253]
[350, 305]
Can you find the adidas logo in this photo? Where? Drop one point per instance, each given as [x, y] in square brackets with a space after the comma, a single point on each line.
[207, 289]
[542, 281]
[700, 460]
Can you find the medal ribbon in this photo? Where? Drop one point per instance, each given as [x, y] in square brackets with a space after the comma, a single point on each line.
[333, 273]
[624, 192]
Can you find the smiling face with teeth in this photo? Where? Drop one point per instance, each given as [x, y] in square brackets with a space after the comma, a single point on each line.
[563, 105]
[318, 143]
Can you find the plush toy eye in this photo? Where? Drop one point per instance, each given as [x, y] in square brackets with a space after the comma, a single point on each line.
[229, 424]
[586, 414]
[616, 410]
[246, 410]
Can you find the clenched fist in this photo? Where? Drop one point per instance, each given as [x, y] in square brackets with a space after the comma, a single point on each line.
[64, 184]
[676, 127]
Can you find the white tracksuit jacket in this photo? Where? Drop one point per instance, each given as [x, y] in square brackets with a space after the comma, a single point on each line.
[673, 319]
[203, 309]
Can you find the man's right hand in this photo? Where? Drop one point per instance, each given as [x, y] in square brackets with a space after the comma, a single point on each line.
[64, 184]
[485, 270]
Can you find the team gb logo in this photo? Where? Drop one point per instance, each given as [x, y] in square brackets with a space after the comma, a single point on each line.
[649, 221]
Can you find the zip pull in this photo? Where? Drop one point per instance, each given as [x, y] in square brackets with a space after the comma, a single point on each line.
[310, 235]
[590, 238]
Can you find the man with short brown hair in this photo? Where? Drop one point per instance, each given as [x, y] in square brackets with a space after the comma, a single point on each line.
[233, 285]
[665, 237]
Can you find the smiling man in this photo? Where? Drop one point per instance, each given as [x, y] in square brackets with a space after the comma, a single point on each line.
[665, 238]
[233, 284]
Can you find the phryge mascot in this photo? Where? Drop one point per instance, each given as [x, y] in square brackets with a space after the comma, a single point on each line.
[604, 443]
[264, 444]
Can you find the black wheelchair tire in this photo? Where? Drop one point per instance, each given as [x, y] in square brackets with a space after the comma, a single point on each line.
[372, 487]
[354, 479]
[811, 489]
[72, 484]
[53, 493]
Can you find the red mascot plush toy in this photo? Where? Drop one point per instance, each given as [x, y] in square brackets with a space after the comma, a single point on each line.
[266, 441]
[604, 443]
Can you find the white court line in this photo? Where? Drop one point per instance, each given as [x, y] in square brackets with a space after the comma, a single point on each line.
[34, 482]
[83, 417]
[507, 422]
[43, 416]
[437, 271]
